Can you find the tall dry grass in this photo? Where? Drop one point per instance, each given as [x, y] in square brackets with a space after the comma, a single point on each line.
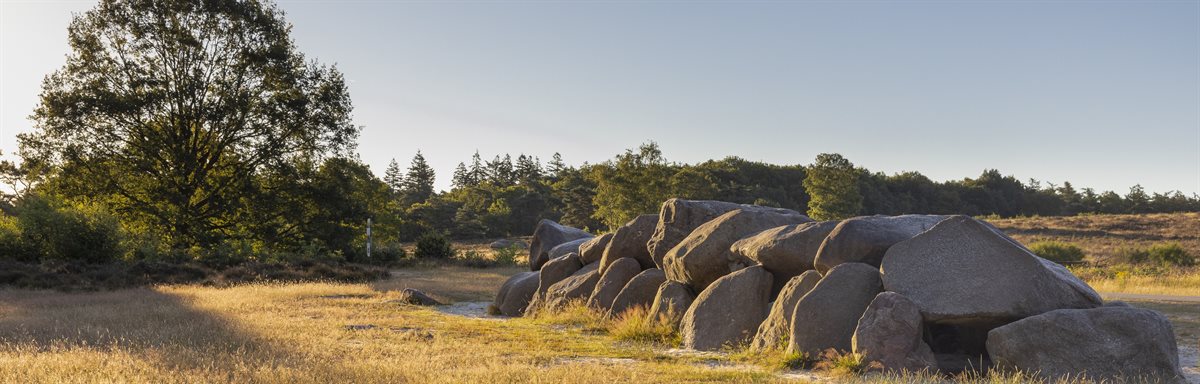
[315, 332]
[328, 332]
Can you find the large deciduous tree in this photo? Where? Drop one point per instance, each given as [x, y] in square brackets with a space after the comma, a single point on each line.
[832, 186]
[168, 109]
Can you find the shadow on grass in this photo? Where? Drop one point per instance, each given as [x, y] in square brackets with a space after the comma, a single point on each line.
[166, 330]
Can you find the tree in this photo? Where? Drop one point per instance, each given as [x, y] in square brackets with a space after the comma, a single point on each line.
[1137, 199]
[528, 169]
[168, 109]
[556, 166]
[477, 172]
[500, 171]
[393, 177]
[832, 186]
[635, 183]
[418, 183]
[462, 177]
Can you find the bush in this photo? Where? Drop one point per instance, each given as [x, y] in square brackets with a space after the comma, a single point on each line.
[56, 231]
[1170, 253]
[433, 246]
[507, 256]
[1058, 252]
[12, 245]
[1135, 255]
[386, 255]
[472, 258]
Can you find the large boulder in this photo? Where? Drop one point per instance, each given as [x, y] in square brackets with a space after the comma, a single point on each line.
[612, 282]
[785, 251]
[671, 301]
[1109, 344]
[556, 270]
[516, 293]
[866, 239]
[575, 287]
[630, 241]
[569, 247]
[890, 333]
[639, 292]
[703, 256]
[592, 250]
[775, 329]
[826, 317]
[729, 311]
[679, 217]
[547, 235]
[963, 269]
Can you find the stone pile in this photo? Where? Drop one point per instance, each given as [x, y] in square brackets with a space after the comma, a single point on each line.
[909, 293]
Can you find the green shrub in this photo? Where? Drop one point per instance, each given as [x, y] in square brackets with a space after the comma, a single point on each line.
[1135, 255]
[1057, 251]
[507, 256]
[387, 254]
[53, 230]
[433, 246]
[472, 258]
[12, 244]
[1170, 253]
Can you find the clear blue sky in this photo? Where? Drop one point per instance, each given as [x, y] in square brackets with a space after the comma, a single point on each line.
[1103, 94]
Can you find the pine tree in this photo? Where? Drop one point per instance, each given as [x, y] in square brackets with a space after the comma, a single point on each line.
[462, 177]
[528, 169]
[500, 170]
[556, 167]
[393, 176]
[418, 183]
[478, 173]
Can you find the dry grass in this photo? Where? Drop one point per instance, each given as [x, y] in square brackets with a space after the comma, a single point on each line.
[1102, 236]
[313, 332]
[1105, 239]
[636, 325]
[1127, 279]
[326, 332]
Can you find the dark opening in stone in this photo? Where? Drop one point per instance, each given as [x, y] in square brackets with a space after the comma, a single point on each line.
[961, 346]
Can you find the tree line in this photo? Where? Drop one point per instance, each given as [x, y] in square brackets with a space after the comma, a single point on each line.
[182, 130]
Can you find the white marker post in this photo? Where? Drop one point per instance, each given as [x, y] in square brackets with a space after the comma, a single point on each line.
[368, 238]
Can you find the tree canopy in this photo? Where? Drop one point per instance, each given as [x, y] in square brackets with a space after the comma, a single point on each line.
[169, 110]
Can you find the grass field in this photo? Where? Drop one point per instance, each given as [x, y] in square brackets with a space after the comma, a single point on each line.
[320, 332]
[327, 332]
[1102, 236]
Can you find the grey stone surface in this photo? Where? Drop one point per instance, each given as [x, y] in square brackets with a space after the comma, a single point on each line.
[703, 256]
[889, 333]
[612, 282]
[630, 241]
[728, 312]
[826, 317]
[1108, 343]
[773, 332]
[963, 270]
[866, 239]
[640, 291]
[785, 251]
[678, 217]
[547, 235]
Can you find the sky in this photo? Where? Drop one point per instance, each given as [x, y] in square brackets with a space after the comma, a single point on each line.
[1102, 94]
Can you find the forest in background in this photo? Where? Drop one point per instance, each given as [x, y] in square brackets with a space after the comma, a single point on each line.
[198, 132]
